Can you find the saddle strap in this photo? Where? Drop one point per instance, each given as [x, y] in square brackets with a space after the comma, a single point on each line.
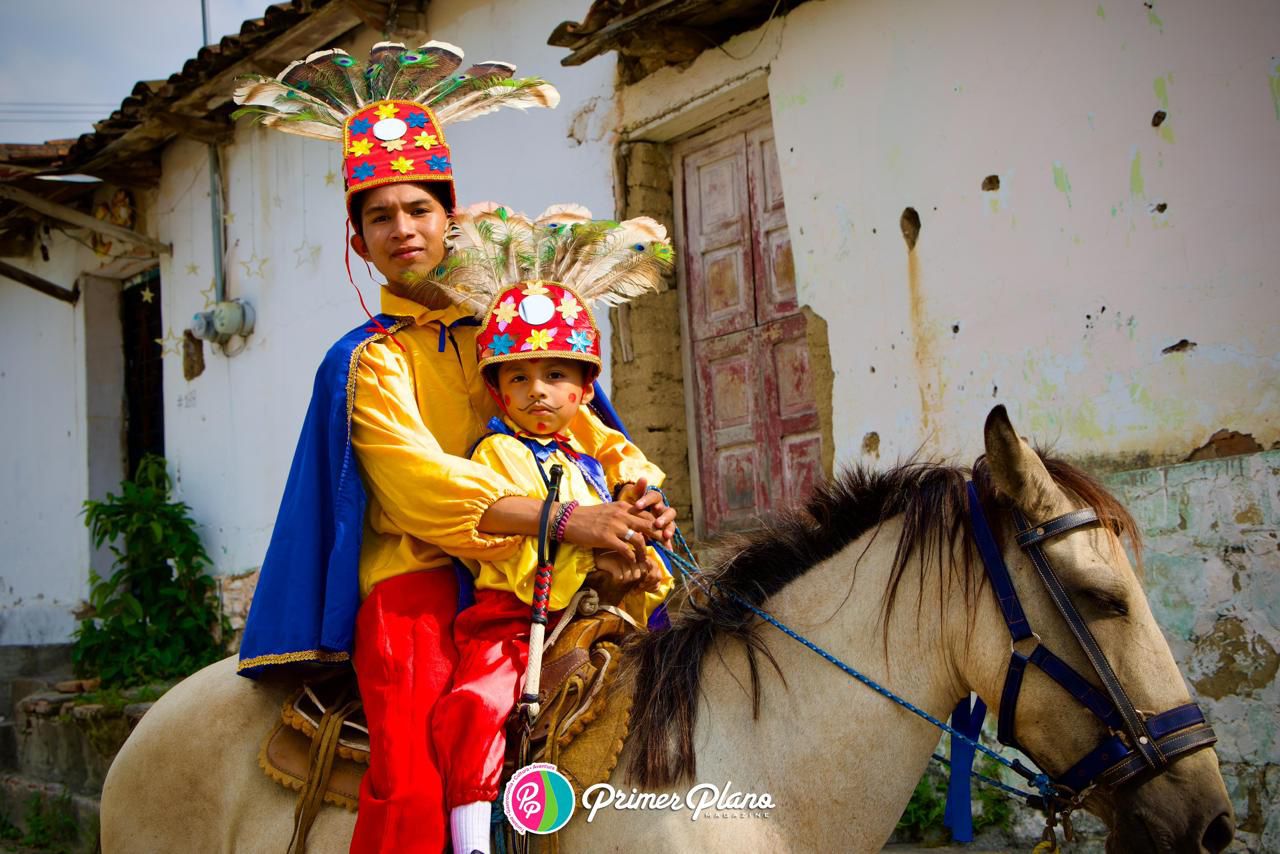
[324, 746]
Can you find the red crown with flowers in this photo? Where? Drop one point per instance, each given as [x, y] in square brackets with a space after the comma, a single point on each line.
[391, 141]
[538, 320]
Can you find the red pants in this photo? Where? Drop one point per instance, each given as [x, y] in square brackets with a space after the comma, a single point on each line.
[469, 726]
[404, 658]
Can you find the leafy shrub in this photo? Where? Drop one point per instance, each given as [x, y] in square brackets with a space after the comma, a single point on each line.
[157, 616]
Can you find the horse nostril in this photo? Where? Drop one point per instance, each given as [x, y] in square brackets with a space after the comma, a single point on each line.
[1219, 833]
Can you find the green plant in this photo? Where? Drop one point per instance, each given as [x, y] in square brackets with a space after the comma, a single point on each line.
[995, 807]
[157, 616]
[9, 832]
[923, 814]
[51, 823]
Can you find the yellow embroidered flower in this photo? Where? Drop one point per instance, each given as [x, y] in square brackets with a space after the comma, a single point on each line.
[569, 308]
[539, 339]
[393, 144]
[387, 111]
[506, 310]
[534, 288]
[360, 147]
[425, 140]
[402, 165]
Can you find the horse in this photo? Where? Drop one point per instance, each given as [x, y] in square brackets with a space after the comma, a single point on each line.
[880, 569]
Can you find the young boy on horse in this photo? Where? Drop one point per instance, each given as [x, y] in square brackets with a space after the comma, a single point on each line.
[538, 350]
[380, 493]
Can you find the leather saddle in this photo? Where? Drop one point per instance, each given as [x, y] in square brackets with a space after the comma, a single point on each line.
[319, 747]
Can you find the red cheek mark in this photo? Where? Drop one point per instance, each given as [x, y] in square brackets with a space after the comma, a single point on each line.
[573, 398]
[506, 398]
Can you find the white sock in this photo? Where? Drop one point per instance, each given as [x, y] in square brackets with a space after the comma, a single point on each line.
[469, 826]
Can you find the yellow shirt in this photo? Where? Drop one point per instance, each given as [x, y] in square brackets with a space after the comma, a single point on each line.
[416, 413]
[515, 574]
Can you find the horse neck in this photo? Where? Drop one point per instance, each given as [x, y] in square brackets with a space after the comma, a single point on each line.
[824, 736]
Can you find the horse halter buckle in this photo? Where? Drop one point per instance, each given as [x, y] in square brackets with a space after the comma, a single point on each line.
[1140, 743]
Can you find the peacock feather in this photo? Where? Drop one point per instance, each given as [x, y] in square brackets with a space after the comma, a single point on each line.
[492, 248]
[314, 96]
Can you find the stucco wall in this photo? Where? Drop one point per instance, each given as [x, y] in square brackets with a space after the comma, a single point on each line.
[44, 546]
[1108, 241]
[1212, 532]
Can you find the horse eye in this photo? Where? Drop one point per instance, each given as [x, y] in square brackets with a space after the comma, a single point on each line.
[1113, 605]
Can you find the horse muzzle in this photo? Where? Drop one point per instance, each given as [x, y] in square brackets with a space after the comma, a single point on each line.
[1182, 811]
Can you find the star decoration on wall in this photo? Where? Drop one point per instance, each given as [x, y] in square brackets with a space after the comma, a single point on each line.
[253, 267]
[210, 295]
[193, 269]
[305, 252]
[148, 295]
[170, 344]
[229, 218]
[330, 178]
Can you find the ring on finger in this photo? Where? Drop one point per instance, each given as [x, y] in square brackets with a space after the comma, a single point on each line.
[631, 532]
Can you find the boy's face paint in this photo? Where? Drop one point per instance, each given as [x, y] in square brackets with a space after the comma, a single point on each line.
[543, 395]
[403, 235]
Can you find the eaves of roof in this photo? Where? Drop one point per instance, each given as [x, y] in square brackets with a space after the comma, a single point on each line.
[650, 34]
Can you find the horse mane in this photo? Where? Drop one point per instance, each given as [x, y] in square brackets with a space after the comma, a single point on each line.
[932, 500]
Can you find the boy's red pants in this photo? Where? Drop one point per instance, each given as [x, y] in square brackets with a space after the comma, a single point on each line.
[469, 726]
[404, 658]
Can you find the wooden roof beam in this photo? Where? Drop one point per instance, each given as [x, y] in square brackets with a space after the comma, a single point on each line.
[44, 286]
[83, 220]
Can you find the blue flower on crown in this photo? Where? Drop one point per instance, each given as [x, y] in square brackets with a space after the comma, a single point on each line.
[416, 120]
[502, 344]
[438, 163]
[360, 126]
[580, 340]
[363, 172]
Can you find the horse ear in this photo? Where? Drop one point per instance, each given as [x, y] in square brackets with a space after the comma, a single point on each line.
[1018, 471]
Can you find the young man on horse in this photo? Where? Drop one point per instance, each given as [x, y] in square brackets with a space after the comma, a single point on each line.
[380, 494]
[538, 350]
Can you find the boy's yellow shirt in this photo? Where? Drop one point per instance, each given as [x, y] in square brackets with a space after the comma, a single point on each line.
[416, 412]
[515, 574]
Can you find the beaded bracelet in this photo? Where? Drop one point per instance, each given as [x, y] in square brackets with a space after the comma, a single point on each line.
[562, 520]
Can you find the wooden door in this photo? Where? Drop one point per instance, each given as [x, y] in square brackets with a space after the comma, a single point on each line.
[759, 445]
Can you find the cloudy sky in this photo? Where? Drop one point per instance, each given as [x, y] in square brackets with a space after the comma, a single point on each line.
[66, 63]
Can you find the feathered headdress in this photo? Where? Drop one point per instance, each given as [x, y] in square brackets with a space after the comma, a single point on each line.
[534, 280]
[387, 113]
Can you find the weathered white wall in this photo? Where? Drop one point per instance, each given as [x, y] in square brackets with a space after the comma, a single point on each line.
[44, 546]
[230, 432]
[1057, 293]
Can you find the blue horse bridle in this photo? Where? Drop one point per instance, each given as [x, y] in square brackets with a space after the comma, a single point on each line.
[1139, 745]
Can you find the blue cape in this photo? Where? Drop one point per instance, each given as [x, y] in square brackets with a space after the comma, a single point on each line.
[304, 609]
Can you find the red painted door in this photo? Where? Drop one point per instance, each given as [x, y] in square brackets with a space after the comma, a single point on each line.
[759, 440]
